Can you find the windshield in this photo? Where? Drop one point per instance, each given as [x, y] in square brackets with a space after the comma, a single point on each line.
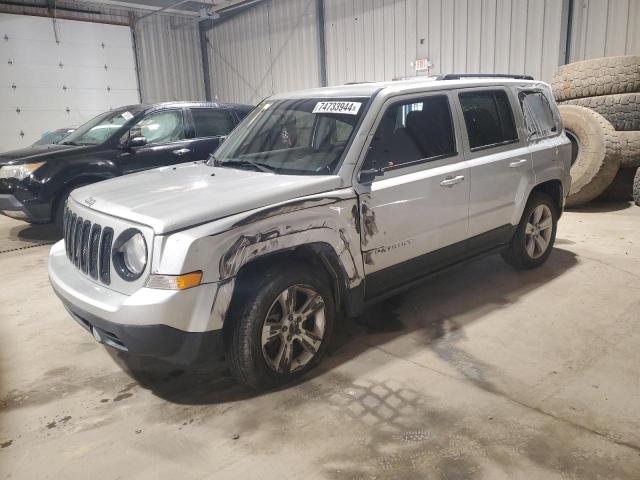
[49, 138]
[98, 129]
[298, 137]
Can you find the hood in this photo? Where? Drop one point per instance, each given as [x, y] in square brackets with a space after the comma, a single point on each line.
[39, 153]
[172, 198]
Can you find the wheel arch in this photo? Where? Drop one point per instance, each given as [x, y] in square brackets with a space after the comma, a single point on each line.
[318, 256]
[74, 183]
[77, 182]
[554, 189]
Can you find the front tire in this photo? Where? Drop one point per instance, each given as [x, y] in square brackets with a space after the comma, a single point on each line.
[280, 327]
[58, 212]
[536, 233]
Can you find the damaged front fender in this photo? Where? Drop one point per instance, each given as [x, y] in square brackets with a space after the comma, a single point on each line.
[222, 248]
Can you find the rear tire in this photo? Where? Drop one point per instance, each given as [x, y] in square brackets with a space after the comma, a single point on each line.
[533, 241]
[270, 341]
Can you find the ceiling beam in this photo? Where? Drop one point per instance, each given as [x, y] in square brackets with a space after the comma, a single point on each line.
[211, 5]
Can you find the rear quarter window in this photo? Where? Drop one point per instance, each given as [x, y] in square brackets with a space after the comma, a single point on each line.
[538, 116]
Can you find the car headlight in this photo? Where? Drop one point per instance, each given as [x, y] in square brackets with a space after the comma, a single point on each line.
[19, 172]
[130, 254]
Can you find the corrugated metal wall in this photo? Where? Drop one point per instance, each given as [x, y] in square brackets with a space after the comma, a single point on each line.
[169, 59]
[272, 47]
[605, 28]
[381, 39]
[168, 48]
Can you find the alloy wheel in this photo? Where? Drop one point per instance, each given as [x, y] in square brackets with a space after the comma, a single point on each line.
[293, 329]
[538, 231]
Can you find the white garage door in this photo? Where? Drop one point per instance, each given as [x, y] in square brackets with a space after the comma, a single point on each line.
[60, 76]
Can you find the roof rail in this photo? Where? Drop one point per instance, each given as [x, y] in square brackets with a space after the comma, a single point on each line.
[458, 76]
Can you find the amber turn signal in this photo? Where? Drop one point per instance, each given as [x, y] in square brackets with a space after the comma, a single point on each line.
[175, 282]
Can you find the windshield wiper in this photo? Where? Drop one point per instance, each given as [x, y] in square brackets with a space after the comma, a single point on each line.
[70, 143]
[261, 167]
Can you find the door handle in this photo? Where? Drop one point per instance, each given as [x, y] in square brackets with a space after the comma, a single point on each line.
[181, 151]
[451, 181]
[518, 163]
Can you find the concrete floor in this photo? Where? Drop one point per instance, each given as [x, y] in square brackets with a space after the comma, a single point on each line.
[483, 372]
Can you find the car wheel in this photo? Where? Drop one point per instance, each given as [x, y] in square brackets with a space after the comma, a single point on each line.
[58, 214]
[534, 238]
[280, 327]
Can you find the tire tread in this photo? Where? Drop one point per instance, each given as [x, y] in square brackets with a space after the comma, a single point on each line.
[598, 76]
[621, 110]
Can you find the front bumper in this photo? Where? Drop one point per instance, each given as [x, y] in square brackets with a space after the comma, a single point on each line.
[12, 207]
[160, 341]
[175, 325]
[23, 202]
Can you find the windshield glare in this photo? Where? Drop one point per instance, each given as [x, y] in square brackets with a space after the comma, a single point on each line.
[98, 129]
[297, 137]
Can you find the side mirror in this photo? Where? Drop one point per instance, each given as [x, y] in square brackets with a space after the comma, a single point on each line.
[367, 176]
[137, 142]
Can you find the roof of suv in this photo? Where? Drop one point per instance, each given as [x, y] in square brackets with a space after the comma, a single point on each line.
[156, 106]
[367, 89]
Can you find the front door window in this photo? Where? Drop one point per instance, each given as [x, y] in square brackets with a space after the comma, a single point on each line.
[160, 127]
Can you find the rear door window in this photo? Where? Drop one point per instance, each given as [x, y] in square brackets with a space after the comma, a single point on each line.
[413, 131]
[488, 117]
[208, 122]
[538, 116]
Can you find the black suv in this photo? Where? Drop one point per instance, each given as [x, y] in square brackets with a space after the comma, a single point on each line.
[36, 181]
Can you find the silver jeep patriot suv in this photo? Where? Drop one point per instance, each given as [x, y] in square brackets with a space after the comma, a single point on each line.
[319, 203]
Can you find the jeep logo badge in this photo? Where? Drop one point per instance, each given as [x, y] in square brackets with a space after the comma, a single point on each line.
[90, 201]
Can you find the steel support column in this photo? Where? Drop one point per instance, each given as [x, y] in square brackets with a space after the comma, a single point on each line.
[203, 28]
[322, 47]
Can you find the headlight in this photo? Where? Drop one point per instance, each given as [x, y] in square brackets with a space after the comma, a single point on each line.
[19, 172]
[130, 254]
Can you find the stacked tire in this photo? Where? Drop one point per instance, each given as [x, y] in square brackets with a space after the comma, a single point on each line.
[599, 102]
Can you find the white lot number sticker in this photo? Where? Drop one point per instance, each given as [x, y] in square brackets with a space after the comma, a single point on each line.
[349, 108]
[126, 115]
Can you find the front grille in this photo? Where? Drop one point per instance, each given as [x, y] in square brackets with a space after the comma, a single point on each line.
[94, 244]
[105, 255]
[88, 246]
